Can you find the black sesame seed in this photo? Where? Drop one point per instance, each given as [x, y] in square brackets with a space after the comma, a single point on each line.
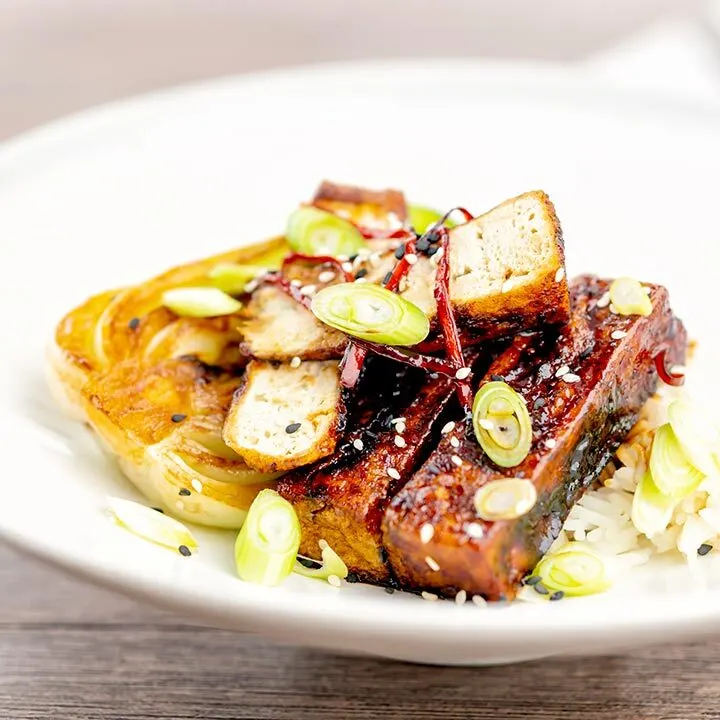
[704, 549]
[389, 590]
[431, 251]
[352, 578]
[531, 580]
[361, 273]
[540, 589]
[184, 492]
[433, 237]
[134, 323]
[178, 417]
[184, 550]
[160, 510]
[497, 378]
[292, 427]
[559, 595]
[422, 245]
[400, 252]
[387, 277]
[353, 258]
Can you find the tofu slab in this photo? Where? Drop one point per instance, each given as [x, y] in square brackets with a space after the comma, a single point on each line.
[578, 425]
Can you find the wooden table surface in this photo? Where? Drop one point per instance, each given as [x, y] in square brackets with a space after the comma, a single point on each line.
[68, 650]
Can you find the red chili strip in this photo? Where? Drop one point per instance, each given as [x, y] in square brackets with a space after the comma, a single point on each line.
[402, 268]
[351, 365]
[667, 376]
[448, 325]
[424, 362]
[318, 260]
[383, 234]
[289, 289]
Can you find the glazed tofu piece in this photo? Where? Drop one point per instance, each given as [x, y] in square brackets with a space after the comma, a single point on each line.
[342, 499]
[583, 388]
[284, 416]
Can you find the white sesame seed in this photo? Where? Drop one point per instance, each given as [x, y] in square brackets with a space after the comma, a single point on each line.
[358, 444]
[550, 443]
[347, 267]
[435, 259]
[397, 420]
[374, 259]
[474, 530]
[571, 378]
[400, 441]
[426, 533]
[562, 370]
[432, 563]
[403, 285]
[308, 289]
[454, 442]
[334, 580]
[448, 428]
[479, 600]
[360, 280]
[400, 428]
[486, 424]
[197, 486]
[295, 362]
[560, 274]
[180, 505]
[604, 300]
[613, 309]
[428, 596]
[326, 276]
[411, 258]
[462, 373]
[393, 473]
[252, 286]
[461, 597]
[456, 459]
[342, 258]
[618, 335]
[295, 283]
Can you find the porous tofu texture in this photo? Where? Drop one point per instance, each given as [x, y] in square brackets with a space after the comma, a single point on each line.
[283, 417]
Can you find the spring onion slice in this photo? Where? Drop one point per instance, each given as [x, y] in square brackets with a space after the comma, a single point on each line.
[200, 302]
[502, 424]
[651, 510]
[150, 524]
[575, 570]
[332, 564]
[371, 313]
[505, 499]
[232, 278]
[268, 543]
[628, 297]
[698, 435]
[671, 470]
[312, 231]
[421, 218]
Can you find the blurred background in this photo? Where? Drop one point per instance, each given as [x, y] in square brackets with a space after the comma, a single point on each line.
[57, 56]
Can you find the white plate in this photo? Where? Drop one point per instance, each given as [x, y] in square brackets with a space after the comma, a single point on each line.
[116, 194]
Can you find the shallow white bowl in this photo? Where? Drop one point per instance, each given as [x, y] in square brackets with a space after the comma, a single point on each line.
[111, 196]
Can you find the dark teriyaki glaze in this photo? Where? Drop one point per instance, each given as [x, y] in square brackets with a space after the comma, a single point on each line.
[577, 426]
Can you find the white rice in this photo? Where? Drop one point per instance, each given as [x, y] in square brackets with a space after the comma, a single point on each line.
[602, 518]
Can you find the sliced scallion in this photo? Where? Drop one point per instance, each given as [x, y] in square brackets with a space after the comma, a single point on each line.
[698, 435]
[671, 469]
[651, 509]
[371, 313]
[312, 231]
[505, 499]
[420, 218]
[332, 564]
[200, 302]
[502, 424]
[574, 570]
[232, 278]
[151, 524]
[628, 297]
[267, 546]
